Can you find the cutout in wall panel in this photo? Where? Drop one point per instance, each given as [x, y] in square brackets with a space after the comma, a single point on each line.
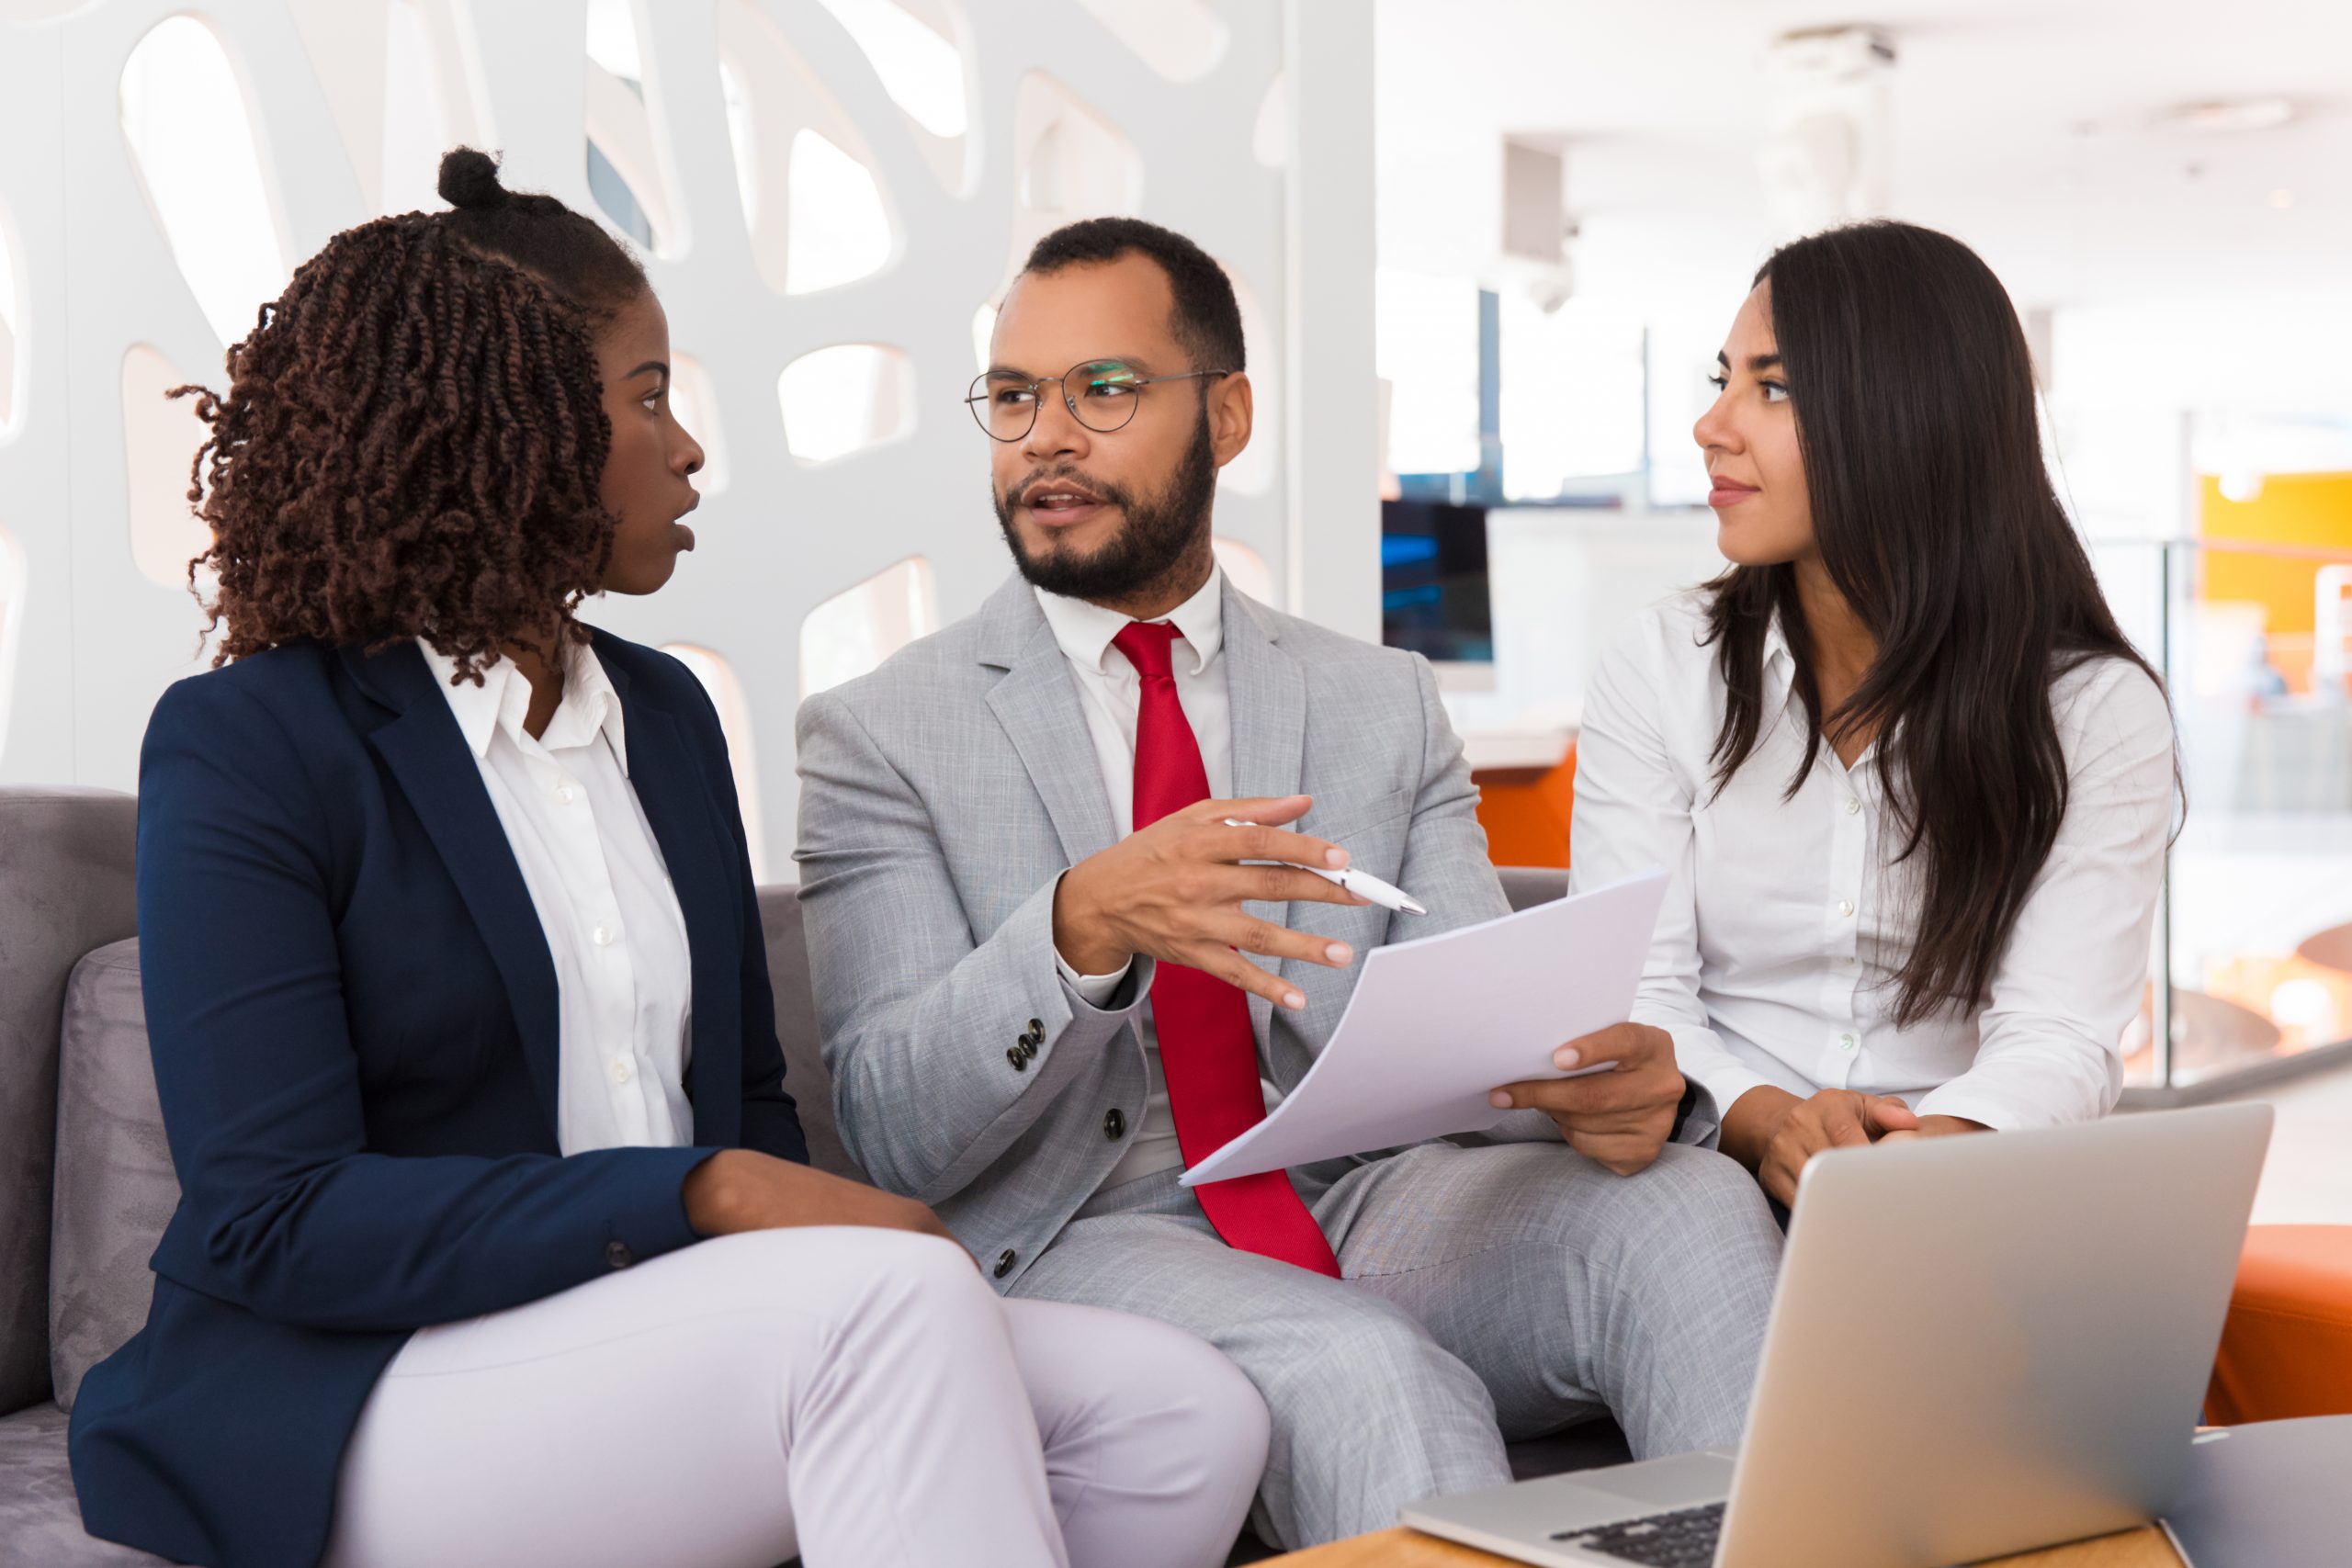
[205, 189]
[742, 141]
[853, 632]
[1270, 137]
[983, 334]
[813, 206]
[1180, 40]
[623, 165]
[840, 231]
[1073, 161]
[915, 57]
[694, 398]
[726, 692]
[845, 399]
[1252, 472]
[1245, 567]
[160, 435]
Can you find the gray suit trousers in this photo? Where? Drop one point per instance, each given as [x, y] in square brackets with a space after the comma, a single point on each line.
[1489, 1292]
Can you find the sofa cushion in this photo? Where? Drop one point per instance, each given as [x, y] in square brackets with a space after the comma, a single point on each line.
[1526, 884]
[65, 865]
[796, 1027]
[116, 1188]
[40, 1521]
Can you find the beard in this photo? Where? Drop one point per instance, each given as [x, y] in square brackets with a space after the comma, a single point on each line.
[1155, 539]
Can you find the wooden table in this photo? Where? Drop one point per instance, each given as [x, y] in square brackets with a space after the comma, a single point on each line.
[1409, 1549]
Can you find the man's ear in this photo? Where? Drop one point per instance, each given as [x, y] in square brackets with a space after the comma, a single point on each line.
[1232, 414]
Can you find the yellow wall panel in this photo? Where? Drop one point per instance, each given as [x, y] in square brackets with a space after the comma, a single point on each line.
[2313, 511]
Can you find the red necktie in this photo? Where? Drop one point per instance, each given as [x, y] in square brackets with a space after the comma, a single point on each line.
[1207, 1051]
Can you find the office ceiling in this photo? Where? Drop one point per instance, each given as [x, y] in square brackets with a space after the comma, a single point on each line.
[2036, 130]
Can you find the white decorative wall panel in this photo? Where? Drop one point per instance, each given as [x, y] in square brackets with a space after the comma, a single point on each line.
[987, 124]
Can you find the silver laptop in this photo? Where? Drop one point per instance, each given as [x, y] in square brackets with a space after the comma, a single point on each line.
[1980, 1346]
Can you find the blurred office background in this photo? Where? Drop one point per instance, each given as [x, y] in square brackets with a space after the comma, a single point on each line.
[1487, 249]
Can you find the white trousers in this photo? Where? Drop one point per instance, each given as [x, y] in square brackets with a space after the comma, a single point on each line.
[858, 1396]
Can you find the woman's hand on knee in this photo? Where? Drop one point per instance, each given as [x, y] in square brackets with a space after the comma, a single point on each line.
[1773, 1132]
[743, 1189]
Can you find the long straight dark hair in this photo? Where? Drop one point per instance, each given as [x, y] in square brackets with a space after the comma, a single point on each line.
[1934, 517]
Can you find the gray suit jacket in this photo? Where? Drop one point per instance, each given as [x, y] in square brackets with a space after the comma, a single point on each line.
[941, 797]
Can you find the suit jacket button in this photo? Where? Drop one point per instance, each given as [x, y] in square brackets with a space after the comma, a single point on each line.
[1020, 1063]
[617, 1254]
[1114, 1124]
[1005, 1263]
[1037, 1027]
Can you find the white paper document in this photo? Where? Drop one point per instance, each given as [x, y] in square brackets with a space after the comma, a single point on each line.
[1436, 1024]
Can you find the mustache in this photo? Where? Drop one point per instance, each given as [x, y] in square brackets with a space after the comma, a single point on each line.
[1117, 495]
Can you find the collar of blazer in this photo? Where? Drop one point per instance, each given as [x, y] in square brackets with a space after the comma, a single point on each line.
[420, 743]
[1038, 704]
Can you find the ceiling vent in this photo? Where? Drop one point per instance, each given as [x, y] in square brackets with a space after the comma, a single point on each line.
[1826, 156]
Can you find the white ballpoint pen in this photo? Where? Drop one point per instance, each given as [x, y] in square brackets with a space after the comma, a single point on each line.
[1363, 883]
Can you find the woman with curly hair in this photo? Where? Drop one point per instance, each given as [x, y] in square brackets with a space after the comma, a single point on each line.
[497, 1241]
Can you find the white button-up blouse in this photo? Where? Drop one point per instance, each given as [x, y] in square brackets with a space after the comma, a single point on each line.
[1785, 924]
[603, 894]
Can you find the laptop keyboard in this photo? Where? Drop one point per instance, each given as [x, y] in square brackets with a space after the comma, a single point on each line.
[1685, 1539]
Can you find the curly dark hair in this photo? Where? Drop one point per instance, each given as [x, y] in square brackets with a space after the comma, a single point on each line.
[413, 433]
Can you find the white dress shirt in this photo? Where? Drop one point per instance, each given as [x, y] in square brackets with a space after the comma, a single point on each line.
[1785, 924]
[1111, 693]
[603, 894]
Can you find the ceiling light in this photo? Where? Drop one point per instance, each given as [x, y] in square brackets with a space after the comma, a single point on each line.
[2220, 115]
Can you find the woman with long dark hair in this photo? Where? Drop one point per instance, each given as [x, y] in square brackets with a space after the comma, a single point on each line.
[497, 1243]
[1912, 782]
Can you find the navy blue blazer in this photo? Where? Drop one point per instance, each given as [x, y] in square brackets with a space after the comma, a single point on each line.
[353, 1014]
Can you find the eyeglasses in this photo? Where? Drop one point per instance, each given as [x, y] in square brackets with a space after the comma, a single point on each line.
[1101, 395]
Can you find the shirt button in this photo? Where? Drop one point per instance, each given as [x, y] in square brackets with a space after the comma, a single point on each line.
[1848, 1043]
[603, 935]
[566, 793]
[1005, 1263]
[1114, 1124]
[1852, 806]
[621, 1071]
[1846, 908]
[617, 1254]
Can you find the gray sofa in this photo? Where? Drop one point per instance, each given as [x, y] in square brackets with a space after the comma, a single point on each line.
[85, 1177]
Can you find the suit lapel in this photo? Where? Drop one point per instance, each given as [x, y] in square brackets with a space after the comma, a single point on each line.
[1037, 705]
[437, 772]
[1267, 692]
[667, 777]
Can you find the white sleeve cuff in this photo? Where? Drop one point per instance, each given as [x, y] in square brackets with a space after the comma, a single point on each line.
[1094, 990]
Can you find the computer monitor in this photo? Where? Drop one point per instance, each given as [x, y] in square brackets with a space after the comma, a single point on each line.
[1433, 590]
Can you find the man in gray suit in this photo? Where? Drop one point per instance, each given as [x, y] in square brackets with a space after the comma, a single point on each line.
[1027, 911]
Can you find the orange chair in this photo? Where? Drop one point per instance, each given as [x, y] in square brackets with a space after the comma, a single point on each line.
[1525, 813]
[2286, 1349]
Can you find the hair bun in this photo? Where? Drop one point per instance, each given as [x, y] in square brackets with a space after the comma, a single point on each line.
[470, 180]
